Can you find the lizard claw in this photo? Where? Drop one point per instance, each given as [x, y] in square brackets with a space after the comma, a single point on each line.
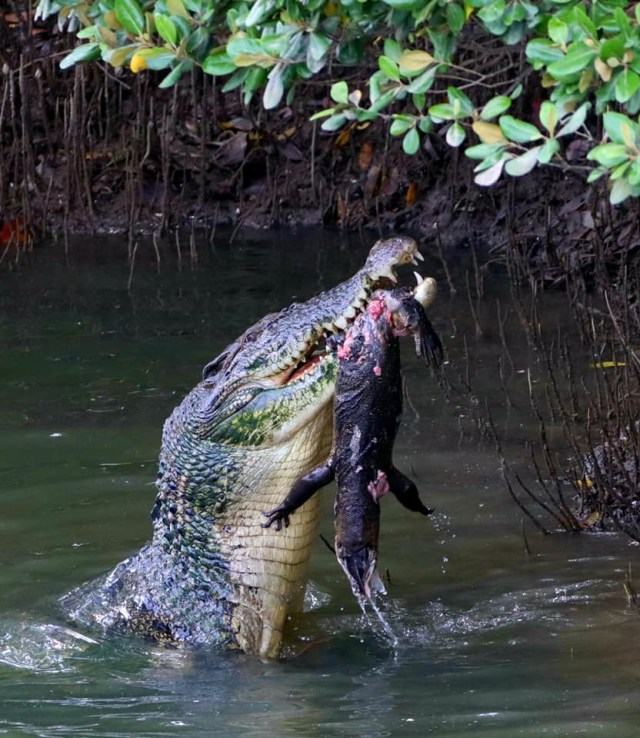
[278, 515]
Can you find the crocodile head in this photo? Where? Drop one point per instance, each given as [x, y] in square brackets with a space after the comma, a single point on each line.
[269, 383]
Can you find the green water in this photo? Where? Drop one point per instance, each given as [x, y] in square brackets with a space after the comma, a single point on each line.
[492, 641]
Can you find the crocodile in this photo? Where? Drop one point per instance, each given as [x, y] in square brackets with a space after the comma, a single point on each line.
[259, 419]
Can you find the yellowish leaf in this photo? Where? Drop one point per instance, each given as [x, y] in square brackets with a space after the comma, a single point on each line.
[176, 7]
[586, 78]
[137, 64]
[249, 60]
[627, 135]
[488, 133]
[415, 60]
[108, 36]
[603, 69]
[592, 519]
[607, 364]
[342, 139]
[111, 20]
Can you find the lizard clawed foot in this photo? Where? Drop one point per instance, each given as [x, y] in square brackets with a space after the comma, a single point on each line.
[278, 515]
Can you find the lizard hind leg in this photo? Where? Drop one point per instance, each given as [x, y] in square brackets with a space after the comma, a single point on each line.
[406, 492]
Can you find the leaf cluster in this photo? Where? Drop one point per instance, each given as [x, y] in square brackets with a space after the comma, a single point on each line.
[587, 55]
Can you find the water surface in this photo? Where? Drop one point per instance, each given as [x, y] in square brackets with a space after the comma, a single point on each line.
[493, 640]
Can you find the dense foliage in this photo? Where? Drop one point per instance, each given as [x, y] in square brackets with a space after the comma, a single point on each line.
[586, 56]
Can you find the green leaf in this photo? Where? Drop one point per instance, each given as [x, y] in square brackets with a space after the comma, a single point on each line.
[259, 11]
[319, 45]
[619, 127]
[585, 23]
[392, 49]
[157, 58]
[419, 100]
[518, 130]
[558, 31]
[455, 17]
[609, 155]
[620, 170]
[441, 111]
[236, 79]
[425, 124]
[174, 75]
[575, 120]
[455, 135]
[548, 150]
[578, 57]
[334, 122]
[626, 86]
[620, 191]
[389, 67]
[523, 164]
[401, 124]
[496, 106]
[340, 92]
[385, 99]
[634, 174]
[612, 48]
[549, 116]
[86, 52]
[541, 51]
[482, 151]
[411, 142]
[166, 28]
[423, 82]
[218, 63]
[130, 16]
[595, 175]
[464, 104]
[403, 4]
[323, 114]
[274, 90]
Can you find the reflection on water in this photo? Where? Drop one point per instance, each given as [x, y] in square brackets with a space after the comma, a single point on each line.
[492, 640]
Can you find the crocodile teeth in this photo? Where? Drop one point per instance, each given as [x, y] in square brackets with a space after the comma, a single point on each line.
[419, 278]
[350, 312]
[418, 256]
[361, 299]
[341, 323]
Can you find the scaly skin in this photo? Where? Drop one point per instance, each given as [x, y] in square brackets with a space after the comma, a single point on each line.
[260, 419]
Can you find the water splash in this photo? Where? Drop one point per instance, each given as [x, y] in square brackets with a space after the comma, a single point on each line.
[41, 647]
